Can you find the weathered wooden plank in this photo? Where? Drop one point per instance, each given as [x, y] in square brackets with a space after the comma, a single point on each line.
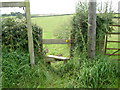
[53, 58]
[58, 58]
[114, 33]
[113, 48]
[114, 41]
[56, 41]
[29, 30]
[13, 4]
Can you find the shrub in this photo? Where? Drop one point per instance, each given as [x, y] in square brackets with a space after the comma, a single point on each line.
[17, 73]
[14, 65]
[102, 72]
[80, 27]
[14, 34]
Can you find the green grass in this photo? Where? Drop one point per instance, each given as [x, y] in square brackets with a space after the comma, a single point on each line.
[17, 73]
[49, 25]
[52, 23]
[77, 73]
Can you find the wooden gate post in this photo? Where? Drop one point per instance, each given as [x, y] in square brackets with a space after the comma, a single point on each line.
[29, 30]
[91, 28]
[25, 4]
[119, 24]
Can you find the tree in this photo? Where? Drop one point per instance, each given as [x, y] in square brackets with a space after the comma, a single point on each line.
[91, 28]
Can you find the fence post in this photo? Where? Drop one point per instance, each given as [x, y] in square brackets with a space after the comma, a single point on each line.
[30, 36]
[92, 28]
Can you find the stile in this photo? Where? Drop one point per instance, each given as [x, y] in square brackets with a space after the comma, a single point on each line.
[56, 41]
[56, 58]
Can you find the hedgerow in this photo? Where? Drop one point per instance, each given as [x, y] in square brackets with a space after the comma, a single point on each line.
[80, 27]
[14, 34]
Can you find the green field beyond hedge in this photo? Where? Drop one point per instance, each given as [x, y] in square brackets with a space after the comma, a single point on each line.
[50, 24]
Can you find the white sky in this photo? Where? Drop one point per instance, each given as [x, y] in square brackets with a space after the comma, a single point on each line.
[51, 6]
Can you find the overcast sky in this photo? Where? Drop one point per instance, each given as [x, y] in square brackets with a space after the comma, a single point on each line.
[51, 6]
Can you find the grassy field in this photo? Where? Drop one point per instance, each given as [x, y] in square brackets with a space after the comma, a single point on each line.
[50, 26]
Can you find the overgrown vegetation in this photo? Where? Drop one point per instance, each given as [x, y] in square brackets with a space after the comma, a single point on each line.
[80, 27]
[17, 72]
[102, 72]
[16, 69]
[14, 35]
[79, 72]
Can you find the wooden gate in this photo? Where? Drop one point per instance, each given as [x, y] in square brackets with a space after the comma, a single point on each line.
[116, 51]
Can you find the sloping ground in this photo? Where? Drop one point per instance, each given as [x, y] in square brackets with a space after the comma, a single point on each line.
[50, 26]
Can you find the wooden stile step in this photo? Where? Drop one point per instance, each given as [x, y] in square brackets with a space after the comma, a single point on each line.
[58, 58]
[51, 58]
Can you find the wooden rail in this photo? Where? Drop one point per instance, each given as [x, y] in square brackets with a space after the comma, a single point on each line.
[114, 41]
[56, 41]
[113, 54]
[113, 48]
[13, 4]
[114, 33]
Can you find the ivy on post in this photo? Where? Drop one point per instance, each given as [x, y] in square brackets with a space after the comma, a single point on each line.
[91, 28]
[30, 36]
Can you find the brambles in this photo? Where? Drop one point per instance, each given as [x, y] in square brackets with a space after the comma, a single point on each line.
[14, 34]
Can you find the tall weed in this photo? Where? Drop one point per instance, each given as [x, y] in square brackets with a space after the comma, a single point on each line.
[17, 72]
[102, 72]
